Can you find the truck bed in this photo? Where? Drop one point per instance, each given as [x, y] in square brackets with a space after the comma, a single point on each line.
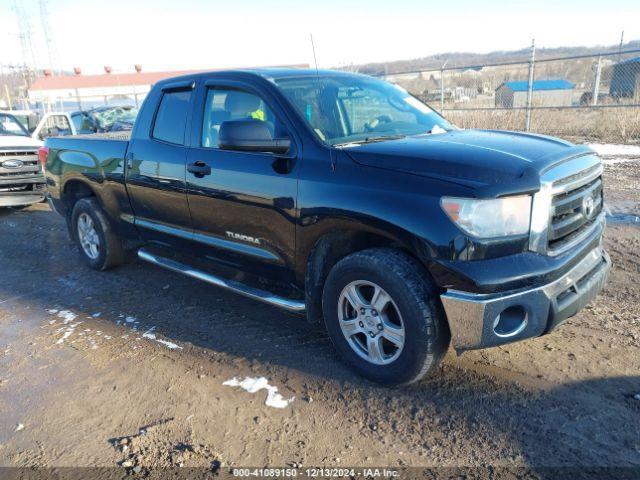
[92, 154]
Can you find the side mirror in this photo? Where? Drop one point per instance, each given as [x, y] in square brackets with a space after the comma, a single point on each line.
[250, 136]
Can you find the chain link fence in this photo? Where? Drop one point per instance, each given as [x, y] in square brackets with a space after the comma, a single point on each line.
[592, 97]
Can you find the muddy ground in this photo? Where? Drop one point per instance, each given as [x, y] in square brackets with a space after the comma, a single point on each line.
[127, 368]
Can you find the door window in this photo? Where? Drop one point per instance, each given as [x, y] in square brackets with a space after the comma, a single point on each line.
[56, 125]
[171, 119]
[225, 104]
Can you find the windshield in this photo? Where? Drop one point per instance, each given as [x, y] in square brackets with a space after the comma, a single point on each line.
[352, 108]
[10, 126]
[106, 118]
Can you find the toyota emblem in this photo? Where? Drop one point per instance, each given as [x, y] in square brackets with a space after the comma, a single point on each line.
[588, 206]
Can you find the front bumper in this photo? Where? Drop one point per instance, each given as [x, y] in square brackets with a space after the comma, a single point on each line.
[486, 320]
[17, 192]
[21, 198]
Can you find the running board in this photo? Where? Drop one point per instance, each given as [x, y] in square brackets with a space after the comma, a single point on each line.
[247, 291]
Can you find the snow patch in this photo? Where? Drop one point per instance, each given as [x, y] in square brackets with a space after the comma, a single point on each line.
[255, 384]
[66, 316]
[613, 150]
[67, 333]
[152, 336]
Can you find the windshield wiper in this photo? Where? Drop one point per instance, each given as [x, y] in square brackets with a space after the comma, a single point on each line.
[380, 138]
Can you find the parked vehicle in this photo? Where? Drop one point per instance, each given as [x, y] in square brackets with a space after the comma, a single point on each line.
[105, 119]
[39, 127]
[55, 124]
[28, 118]
[21, 177]
[344, 197]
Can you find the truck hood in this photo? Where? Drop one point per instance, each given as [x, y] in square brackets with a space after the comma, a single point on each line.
[18, 141]
[492, 163]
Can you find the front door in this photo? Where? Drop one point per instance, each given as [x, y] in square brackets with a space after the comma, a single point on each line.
[156, 171]
[242, 203]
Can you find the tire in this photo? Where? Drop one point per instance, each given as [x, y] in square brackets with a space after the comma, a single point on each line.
[88, 216]
[411, 317]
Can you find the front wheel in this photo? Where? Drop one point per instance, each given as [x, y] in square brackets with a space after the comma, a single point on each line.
[383, 317]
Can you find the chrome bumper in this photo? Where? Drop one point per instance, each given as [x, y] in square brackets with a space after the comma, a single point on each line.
[476, 320]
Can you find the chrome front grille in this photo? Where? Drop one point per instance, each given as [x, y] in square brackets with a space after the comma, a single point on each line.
[573, 211]
[569, 206]
[29, 165]
[17, 153]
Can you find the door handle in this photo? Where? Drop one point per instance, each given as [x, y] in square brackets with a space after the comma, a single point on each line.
[199, 169]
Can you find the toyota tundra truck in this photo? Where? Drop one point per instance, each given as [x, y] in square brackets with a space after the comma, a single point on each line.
[346, 199]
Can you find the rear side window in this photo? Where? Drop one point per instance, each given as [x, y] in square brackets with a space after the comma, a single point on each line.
[171, 118]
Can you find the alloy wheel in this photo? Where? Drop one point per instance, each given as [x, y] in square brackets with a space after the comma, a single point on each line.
[88, 236]
[371, 322]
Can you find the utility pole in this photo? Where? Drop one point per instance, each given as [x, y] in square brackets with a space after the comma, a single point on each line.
[24, 29]
[48, 36]
[6, 91]
[620, 47]
[532, 63]
[442, 85]
[596, 83]
[26, 46]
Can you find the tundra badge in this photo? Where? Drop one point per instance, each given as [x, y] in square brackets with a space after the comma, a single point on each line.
[246, 238]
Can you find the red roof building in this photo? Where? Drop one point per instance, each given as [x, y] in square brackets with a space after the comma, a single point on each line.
[90, 88]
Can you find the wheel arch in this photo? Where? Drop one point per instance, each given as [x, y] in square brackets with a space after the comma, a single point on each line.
[73, 190]
[332, 246]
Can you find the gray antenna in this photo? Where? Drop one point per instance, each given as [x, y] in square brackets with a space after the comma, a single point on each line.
[313, 48]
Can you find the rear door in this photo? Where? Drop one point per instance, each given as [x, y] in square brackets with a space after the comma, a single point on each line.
[156, 168]
[243, 205]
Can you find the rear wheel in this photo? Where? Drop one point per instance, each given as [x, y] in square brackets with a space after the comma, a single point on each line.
[383, 316]
[100, 248]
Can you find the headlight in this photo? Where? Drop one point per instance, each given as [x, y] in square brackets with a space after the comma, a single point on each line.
[496, 217]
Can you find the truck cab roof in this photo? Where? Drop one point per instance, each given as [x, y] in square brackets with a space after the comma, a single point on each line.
[267, 73]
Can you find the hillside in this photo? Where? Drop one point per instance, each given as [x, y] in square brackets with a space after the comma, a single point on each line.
[454, 59]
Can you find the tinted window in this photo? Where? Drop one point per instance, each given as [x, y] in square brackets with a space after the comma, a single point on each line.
[171, 119]
[231, 104]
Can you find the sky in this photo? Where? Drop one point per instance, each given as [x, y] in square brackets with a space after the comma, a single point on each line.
[198, 34]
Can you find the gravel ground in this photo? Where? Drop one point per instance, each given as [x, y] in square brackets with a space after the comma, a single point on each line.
[127, 368]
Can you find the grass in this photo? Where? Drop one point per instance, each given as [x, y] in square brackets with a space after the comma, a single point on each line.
[607, 125]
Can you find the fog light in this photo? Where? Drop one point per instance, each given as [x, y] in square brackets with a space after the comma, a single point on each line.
[510, 322]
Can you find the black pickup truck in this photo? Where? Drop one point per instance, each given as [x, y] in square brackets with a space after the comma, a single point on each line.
[344, 198]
